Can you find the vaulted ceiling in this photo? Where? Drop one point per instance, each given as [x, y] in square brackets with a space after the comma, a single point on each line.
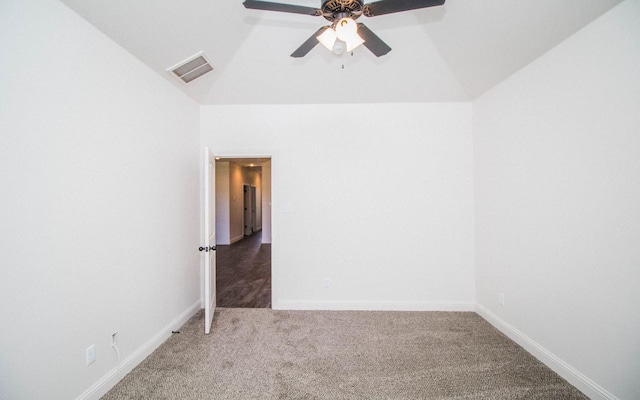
[450, 53]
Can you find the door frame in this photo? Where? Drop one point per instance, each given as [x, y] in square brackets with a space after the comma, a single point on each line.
[266, 209]
[266, 202]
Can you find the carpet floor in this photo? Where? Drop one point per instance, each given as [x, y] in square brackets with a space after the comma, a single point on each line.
[271, 354]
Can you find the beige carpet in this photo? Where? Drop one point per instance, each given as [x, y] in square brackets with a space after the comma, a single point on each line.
[267, 354]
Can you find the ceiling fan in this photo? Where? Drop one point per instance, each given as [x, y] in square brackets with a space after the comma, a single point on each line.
[344, 33]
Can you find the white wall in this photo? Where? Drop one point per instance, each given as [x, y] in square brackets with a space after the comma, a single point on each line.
[99, 204]
[557, 185]
[377, 198]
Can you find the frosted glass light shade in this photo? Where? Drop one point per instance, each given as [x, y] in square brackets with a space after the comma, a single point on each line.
[354, 42]
[347, 31]
[327, 38]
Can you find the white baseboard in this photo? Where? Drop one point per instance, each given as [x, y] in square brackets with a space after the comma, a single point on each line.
[114, 376]
[373, 305]
[566, 371]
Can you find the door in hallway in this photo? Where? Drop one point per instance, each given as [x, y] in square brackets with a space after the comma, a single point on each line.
[248, 206]
[252, 197]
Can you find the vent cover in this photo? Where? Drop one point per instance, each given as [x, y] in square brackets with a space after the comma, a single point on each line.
[192, 68]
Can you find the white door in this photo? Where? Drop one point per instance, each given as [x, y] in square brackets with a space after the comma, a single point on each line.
[210, 237]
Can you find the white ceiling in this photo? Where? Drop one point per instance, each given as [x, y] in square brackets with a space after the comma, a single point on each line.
[441, 54]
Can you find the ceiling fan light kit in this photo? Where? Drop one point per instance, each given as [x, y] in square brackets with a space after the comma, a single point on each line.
[343, 35]
[344, 31]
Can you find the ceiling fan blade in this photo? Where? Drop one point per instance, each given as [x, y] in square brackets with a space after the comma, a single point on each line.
[372, 41]
[308, 44]
[289, 8]
[393, 6]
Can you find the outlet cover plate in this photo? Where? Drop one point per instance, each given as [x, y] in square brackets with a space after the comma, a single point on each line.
[91, 354]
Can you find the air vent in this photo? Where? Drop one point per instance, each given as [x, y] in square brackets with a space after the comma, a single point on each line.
[192, 68]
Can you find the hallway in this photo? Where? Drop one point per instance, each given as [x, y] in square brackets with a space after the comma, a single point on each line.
[243, 274]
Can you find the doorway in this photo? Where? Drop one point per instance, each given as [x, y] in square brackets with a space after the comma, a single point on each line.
[243, 228]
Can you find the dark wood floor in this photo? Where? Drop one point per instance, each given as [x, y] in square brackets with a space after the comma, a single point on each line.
[243, 274]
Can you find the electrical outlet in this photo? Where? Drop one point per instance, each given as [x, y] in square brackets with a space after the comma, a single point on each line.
[91, 354]
[114, 338]
[326, 283]
[501, 298]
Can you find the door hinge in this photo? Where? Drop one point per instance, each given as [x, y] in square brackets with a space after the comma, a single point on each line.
[207, 248]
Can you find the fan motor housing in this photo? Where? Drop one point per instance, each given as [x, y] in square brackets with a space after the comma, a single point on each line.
[333, 10]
